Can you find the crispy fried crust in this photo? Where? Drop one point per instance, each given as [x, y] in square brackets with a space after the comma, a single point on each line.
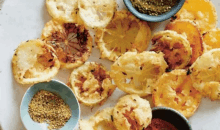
[175, 90]
[212, 38]
[91, 83]
[102, 120]
[124, 33]
[205, 74]
[135, 73]
[63, 10]
[96, 13]
[194, 37]
[33, 62]
[176, 48]
[201, 12]
[132, 113]
[72, 42]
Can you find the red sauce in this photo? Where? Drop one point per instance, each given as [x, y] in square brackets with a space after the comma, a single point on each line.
[158, 124]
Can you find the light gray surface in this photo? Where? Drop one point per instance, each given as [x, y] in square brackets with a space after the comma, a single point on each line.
[21, 20]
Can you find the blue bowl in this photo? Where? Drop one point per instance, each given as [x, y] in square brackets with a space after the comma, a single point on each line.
[172, 116]
[158, 18]
[58, 88]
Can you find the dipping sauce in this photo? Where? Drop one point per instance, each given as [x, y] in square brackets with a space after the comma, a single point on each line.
[158, 124]
[47, 107]
[153, 7]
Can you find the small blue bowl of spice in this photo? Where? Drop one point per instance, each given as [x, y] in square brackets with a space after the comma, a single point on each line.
[50, 105]
[154, 10]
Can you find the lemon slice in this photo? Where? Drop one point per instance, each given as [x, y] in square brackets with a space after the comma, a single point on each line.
[202, 12]
[124, 33]
[101, 120]
[91, 83]
[176, 48]
[132, 113]
[135, 73]
[175, 90]
[96, 13]
[205, 74]
[212, 38]
[72, 42]
[33, 62]
[194, 37]
[63, 10]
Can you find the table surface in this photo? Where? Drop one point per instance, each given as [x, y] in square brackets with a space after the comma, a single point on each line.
[21, 20]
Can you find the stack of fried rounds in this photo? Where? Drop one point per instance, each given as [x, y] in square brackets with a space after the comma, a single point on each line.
[130, 113]
[181, 66]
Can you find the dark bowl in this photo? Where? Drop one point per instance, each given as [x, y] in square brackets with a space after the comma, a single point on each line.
[158, 18]
[172, 116]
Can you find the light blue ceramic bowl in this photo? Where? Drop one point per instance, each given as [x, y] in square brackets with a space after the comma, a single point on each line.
[58, 88]
[158, 18]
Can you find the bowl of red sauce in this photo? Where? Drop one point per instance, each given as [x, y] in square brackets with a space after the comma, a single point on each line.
[154, 10]
[164, 118]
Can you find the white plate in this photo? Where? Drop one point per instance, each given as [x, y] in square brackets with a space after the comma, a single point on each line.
[21, 20]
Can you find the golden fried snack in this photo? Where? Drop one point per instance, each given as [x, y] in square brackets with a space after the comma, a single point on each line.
[135, 73]
[72, 42]
[132, 113]
[96, 13]
[102, 120]
[201, 12]
[124, 33]
[91, 83]
[63, 10]
[33, 62]
[205, 74]
[176, 48]
[175, 90]
[194, 37]
[212, 38]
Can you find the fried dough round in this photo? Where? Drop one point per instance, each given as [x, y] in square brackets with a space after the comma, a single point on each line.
[202, 12]
[72, 42]
[34, 62]
[91, 83]
[102, 120]
[132, 113]
[96, 13]
[124, 33]
[63, 10]
[175, 90]
[205, 74]
[194, 37]
[212, 38]
[135, 73]
[176, 48]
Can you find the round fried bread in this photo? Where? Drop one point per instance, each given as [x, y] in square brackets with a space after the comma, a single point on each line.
[205, 74]
[175, 90]
[132, 113]
[124, 33]
[63, 10]
[135, 73]
[91, 83]
[33, 62]
[96, 13]
[194, 37]
[202, 12]
[212, 38]
[102, 120]
[72, 42]
[176, 48]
